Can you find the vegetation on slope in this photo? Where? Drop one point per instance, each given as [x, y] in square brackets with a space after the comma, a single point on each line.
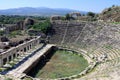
[41, 26]
[15, 33]
[111, 14]
[5, 19]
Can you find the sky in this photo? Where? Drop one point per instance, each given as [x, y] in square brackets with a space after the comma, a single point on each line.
[81, 5]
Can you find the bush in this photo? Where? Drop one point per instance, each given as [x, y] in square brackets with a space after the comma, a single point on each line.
[1, 33]
[67, 16]
[91, 14]
[1, 69]
[15, 33]
[109, 9]
[42, 26]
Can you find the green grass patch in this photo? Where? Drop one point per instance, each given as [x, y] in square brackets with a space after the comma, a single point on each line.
[8, 79]
[15, 33]
[27, 78]
[62, 64]
[108, 46]
[116, 23]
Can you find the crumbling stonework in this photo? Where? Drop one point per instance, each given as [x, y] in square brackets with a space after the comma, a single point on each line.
[21, 25]
[13, 52]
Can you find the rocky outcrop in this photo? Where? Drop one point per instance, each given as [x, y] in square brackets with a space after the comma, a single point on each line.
[111, 14]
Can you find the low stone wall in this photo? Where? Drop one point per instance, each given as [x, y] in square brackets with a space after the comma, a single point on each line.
[87, 69]
[47, 51]
[21, 71]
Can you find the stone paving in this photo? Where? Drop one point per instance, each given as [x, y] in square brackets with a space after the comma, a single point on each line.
[18, 72]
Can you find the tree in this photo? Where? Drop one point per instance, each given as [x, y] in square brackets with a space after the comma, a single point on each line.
[113, 5]
[67, 16]
[83, 14]
[91, 14]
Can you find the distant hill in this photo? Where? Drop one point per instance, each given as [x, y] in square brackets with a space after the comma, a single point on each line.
[41, 11]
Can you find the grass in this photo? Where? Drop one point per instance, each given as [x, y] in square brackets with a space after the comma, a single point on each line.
[108, 46]
[116, 23]
[62, 64]
[27, 78]
[15, 33]
[8, 79]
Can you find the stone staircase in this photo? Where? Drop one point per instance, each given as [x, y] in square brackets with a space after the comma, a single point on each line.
[104, 70]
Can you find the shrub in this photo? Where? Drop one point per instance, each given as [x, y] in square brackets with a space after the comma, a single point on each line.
[67, 16]
[1, 33]
[91, 14]
[8, 79]
[42, 26]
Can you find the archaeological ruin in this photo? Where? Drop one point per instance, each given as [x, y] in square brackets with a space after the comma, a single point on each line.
[83, 48]
[14, 52]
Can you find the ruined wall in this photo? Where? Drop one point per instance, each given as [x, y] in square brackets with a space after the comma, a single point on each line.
[13, 52]
[21, 25]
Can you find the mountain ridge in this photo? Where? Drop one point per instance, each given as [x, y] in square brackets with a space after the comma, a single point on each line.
[38, 11]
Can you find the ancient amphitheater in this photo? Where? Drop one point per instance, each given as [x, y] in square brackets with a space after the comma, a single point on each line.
[98, 42]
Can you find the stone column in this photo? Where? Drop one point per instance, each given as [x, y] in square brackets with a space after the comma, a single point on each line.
[28, 47]
[34, 43]
[16, 54]
[37, 41]
[7, 59]
[1, 61]
[11, 57]
[31, 46]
